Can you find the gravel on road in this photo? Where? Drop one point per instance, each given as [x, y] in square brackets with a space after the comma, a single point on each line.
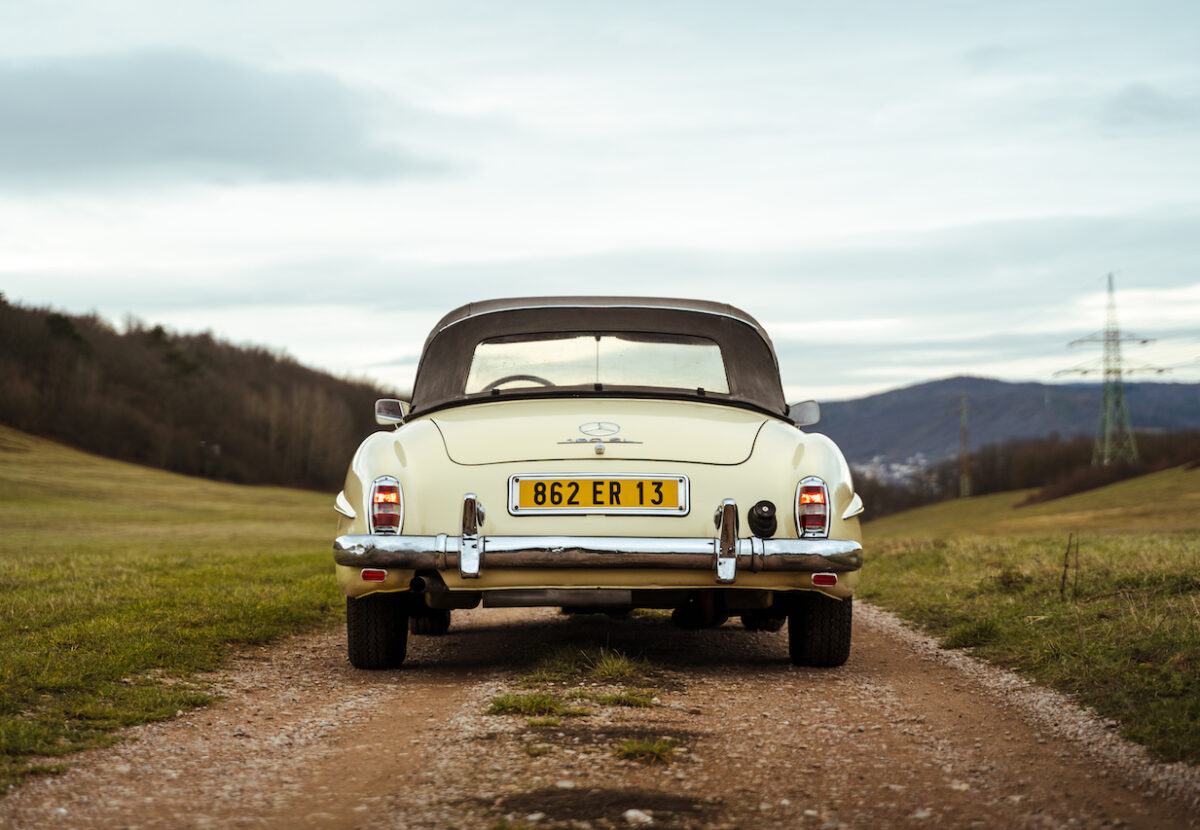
[904, 735]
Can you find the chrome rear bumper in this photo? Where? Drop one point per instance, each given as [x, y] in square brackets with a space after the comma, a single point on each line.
[442, 552]
[724, 554]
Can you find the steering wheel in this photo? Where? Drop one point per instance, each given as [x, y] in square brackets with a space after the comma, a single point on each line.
[498, 382]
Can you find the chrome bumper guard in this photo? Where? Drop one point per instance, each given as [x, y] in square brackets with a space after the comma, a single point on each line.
[724, 554]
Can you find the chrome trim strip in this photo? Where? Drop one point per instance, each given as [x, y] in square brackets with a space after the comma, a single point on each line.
[683, 509]
[855, 507]
[342, 505]
[725, 562]
[442, 552]
[470, 545]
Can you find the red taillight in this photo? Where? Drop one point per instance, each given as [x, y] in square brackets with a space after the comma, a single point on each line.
[812, 508]
[373, 575]
[824, 580]
[387, 507]
[386, 521]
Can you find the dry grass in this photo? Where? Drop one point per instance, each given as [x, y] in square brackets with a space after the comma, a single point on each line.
[541, 704]
[1117, 625]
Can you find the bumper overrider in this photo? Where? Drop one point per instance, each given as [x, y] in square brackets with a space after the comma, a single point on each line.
[725, 554]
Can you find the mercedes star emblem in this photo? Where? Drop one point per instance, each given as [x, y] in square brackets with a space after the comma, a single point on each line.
[599, 429]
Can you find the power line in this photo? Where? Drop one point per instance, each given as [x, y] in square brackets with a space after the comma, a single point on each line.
[1114, 433]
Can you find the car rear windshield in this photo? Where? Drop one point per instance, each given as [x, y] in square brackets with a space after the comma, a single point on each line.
[665, 361]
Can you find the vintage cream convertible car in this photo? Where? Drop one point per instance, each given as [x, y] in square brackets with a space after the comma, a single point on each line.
[598, 454]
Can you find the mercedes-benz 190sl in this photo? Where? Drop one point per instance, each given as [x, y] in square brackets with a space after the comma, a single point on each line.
[598, 454]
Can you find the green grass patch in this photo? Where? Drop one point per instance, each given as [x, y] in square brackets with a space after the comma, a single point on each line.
[1117, 626]
[118, 584]
[630, 699]
[608, 665]
[558, 666]
[970, 633]
[648, 750]
[600, 664]
[544, 723]
[639, 698]
[537, 704]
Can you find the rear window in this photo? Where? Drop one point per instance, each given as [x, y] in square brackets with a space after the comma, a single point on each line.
[665, 361]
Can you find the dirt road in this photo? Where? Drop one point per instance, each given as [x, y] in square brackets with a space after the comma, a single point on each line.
[899, 737]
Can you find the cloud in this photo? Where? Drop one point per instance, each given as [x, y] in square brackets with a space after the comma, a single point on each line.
[948, 279]
[993, 56]
[847, 317]
[1142, 105]
[156, 116]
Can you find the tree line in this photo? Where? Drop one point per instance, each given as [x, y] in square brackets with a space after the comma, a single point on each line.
[1053, 466]
[188, 403]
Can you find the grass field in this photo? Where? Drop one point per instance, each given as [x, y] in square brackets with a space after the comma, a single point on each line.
[118, 583]
[1115, 623]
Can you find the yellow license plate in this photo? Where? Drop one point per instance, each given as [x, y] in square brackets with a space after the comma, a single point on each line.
[636, 494]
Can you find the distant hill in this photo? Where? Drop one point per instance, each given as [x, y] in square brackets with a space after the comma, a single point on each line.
[898, 424]
[187, 403]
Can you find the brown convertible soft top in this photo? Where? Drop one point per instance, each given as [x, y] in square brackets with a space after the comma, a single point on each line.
[751, 365]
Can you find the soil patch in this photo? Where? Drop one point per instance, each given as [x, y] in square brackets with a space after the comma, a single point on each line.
[604, 735]
[599, 804]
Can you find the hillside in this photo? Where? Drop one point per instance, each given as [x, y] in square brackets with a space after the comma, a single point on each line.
[1164, 501]
[187, 403]
[925, 418]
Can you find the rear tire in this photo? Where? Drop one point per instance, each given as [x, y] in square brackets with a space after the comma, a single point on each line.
[819, 629]
[432, 622]
[377, 630]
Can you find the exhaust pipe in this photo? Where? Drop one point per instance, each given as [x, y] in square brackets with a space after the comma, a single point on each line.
[438, 596]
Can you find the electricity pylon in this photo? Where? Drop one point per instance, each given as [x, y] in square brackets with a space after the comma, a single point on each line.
[964, 449]
[1114, 433]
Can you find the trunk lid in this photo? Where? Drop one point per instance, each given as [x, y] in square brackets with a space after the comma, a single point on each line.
[573, 429]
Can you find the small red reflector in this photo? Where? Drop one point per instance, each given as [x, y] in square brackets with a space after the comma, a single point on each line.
[386, 520]
[388, 495]
[824, 580]
[373, 575]
[813, 521]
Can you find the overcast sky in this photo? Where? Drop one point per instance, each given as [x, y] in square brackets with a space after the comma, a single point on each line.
[899, 191]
